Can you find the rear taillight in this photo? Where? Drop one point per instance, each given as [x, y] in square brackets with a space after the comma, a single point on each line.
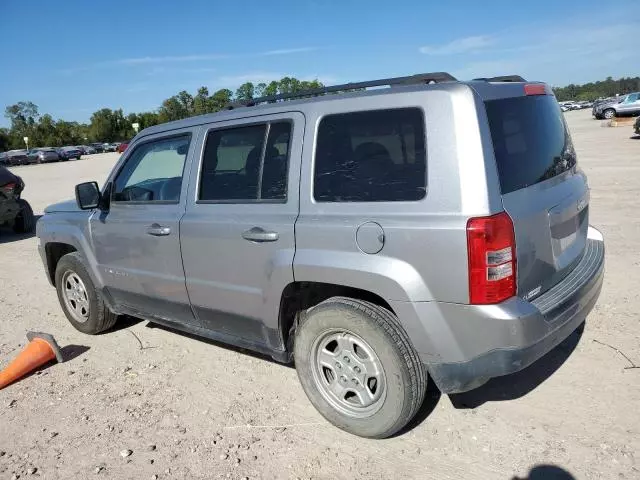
[8, 188]
[492, 259]
[535, 89]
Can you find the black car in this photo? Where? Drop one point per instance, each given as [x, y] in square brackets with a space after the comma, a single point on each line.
[68, 153]
[99, 147]
[14, 157]
[14, 211]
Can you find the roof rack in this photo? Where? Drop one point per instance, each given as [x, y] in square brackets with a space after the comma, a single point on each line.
[421, 78]
[503, 78]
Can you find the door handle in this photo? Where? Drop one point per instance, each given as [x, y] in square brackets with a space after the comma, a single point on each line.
[158, 230]
[259, 235]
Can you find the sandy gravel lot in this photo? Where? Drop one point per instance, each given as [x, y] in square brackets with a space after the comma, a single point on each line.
[189, 408]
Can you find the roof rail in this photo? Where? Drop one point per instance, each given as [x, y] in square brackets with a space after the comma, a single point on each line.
[421, 78]
[503, 78]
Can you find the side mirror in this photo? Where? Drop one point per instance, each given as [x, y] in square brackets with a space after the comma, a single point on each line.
[88, 195]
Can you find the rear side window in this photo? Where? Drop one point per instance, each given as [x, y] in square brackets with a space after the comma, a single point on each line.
[372, 156]
[530, 140]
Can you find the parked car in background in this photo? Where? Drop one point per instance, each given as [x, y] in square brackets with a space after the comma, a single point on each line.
[86, 149]
[601, 101]
[566, 106]
[14, 157]
[43, 155]
[14, 210]
[573, 105]
[619, 107]
[98, 147]
[69, 153]
[110, 147]
[122, 147]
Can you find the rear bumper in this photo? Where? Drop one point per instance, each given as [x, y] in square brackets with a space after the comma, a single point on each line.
[516, 333]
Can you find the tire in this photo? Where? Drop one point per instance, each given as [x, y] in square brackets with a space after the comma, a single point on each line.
[99, 318]
[609, 113]
[25, 222]
[371, 332]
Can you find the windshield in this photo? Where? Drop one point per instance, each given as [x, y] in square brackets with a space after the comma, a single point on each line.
[530, 140]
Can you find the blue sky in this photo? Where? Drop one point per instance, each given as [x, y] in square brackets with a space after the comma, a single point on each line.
[73, 57]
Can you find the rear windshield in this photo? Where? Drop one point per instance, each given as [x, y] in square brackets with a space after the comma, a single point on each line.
[530, 140]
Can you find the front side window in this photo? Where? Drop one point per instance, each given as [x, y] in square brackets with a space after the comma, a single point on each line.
[248, 163]
[371, 156]
[153, 172]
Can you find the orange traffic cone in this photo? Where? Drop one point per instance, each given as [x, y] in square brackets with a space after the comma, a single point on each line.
[42, 348]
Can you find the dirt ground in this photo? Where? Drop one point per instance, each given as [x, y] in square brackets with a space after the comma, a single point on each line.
[189, 408]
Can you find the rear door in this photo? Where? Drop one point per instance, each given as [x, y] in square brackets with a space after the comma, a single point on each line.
[543, 192]
[237, 235]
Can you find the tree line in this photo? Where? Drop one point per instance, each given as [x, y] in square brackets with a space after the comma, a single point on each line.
[107, 125]
[594, 90]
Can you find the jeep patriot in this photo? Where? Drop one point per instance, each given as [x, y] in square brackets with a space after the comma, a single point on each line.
[374, 237]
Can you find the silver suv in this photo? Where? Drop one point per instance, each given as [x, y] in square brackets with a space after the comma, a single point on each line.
[375, 237]
[618, 107]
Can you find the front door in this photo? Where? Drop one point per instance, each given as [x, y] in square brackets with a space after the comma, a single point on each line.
[238, 232]
[137, 241]
[631, 104]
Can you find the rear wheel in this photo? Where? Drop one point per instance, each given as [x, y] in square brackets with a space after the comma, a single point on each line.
[25, 221]
[81, 302]
[609, 113]
[358, 368]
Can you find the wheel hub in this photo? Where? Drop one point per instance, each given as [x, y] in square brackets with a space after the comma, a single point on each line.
[348, 373]
[74, 294]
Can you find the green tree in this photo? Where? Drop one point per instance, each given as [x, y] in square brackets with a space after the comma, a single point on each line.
[4, 140]
[148, 119]
[44, 133]
[109, 126]
[260, 88]
[271, 89]
[603, 88]
[177, 107]
[221, 99]
[201, 102]
[22, 115]
[245, 92]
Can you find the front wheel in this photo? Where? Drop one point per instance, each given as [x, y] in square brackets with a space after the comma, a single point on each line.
[81, 302]
[358, 368]
[609, 113]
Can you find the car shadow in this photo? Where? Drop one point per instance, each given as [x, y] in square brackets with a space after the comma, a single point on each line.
[429, 404]
[124, 322]
[516, 385]
[7, 235]
[546, 472]
[635, 137]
